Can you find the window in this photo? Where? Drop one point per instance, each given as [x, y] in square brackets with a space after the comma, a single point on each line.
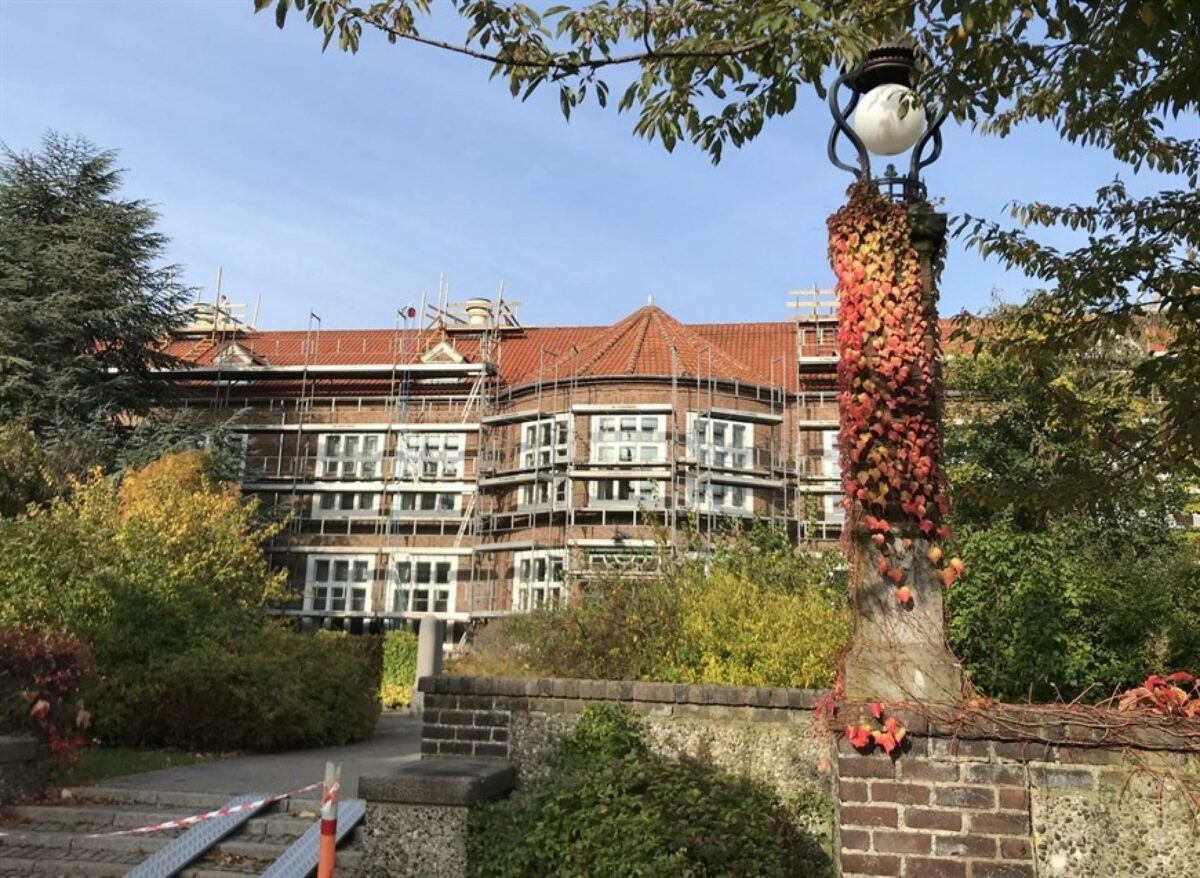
[621, 439]
[835, 512]
[544, 442]
[714, 497]
[538, 579]
[719, 443]
[345, 504]
[349, 455]
[431, 503]
[423, 584]
[431, 456]
[624, 561]
[831, 465]
[339, 583]
[539, 493]
[626, 492]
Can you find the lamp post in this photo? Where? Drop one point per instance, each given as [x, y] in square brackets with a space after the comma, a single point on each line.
[886, 245]
[889, 119]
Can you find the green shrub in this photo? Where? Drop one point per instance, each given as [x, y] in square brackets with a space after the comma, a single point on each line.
[266, 689]
[755, 612]
[1075, 606]
[610, 807]
[399, 668]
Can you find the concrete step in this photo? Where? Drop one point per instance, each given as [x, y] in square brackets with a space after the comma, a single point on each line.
[51, 838]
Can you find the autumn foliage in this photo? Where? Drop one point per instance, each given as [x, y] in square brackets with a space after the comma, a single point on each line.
[1176, 694]
[41, 675]
[889, 384]
[880, 730]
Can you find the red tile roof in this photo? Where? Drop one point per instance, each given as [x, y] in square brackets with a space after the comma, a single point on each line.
[648, 342]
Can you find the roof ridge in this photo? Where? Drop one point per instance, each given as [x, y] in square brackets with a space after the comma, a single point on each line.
[644, 324]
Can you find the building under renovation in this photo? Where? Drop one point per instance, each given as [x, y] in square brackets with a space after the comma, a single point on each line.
[465, 466]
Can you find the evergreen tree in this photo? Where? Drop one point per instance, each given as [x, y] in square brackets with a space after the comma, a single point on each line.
[84, 296]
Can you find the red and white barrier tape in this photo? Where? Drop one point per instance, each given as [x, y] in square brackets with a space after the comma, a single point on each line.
[181, 822]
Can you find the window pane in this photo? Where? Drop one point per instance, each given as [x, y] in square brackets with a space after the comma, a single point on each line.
[327, 501]
[346, 501]
[404, 571]
[332, 445]
[420, 601]
[440, 602]
[351, 446]
[370, 445]
[321, 571]
[424, 572]
[318, 601]
[358, 600]
[443, 572]
[361, 571]
[341, 571]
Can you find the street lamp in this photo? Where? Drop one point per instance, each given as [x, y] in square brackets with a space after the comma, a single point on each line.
[888, 120]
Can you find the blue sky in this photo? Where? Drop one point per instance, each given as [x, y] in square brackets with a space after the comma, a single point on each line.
[347, 184]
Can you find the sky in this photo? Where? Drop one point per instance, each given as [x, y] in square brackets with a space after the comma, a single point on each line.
[347, 185]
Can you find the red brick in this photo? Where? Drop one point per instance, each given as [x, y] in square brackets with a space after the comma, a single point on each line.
[870, 864]
[866, 766]
[867, 815]
[1003, 870]
[1014, 798]
[924, 818]
[1015, 849]
[990, 772]
[1003, 823]
[855, 839]
[853, 791]
[964, 846]
[919, 867]
[904, 793]
[956, 747]
[965, 797]
[929, 770]
[1023, 751]
[901, 842]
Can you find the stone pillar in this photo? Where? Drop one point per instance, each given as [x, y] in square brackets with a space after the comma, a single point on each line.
[429, 655]
[899, 652]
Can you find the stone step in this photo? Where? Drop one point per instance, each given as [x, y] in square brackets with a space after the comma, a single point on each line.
[191, 802]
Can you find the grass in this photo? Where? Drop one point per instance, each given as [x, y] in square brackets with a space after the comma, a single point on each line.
[98, 763]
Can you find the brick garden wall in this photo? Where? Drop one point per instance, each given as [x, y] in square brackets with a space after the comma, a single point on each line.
[972, 799]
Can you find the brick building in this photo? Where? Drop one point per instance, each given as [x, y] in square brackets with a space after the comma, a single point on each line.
[474, 466]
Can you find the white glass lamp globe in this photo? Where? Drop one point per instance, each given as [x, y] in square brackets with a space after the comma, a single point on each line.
[878, 123]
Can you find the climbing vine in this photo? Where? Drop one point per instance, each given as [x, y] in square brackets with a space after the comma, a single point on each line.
[889, 385]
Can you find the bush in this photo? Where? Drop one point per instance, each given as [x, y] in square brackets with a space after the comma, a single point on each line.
[755, 612]
[1076, 606]
[399, 668]
[610, 807]
[41, 674]
[266, 689]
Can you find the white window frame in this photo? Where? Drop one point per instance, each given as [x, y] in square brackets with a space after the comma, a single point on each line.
[545, 441]
[639, 492]
[422, 455]
[345, 455]
[710, 442]
[833, 509]
[626, 561]
[831, 462]
[705, 495]
[544, 494]
[324, 592]
[332, 504]
[629, 439]
[538, 579]
[404, 591]
[421, 499]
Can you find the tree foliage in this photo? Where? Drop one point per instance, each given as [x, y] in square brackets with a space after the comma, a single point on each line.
[84, 298]
[1109, 74]
[1077, 577]
[140, 567]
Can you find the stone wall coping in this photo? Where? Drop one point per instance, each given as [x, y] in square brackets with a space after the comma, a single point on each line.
[457, 782]
[622, 690]
[1077, 726]
[19, 748]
